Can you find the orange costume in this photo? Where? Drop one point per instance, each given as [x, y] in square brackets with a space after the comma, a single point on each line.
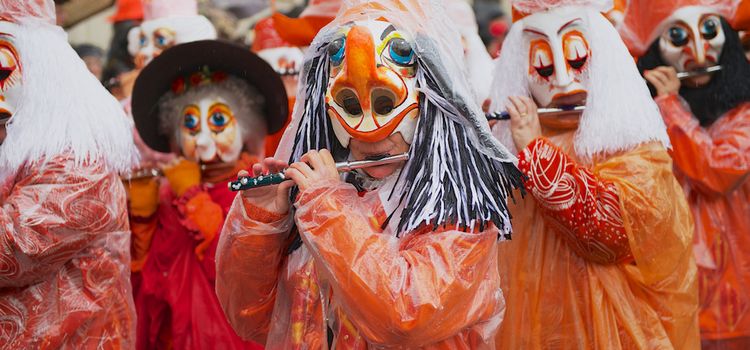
[377, 262]
[708, 121]
[64, 239]
[713, 165]
[601, 253]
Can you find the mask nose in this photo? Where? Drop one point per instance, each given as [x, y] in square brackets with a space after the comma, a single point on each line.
[364, 86]
[701, 46]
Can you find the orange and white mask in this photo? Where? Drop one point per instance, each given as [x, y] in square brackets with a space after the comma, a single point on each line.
[692, 38]
[209, 131]
[558, 57]
[372, 90]
[10, 71]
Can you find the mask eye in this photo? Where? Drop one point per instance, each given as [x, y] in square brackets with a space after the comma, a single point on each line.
[143, 41]
[578, 62]
[191, 122]
[336, 51]
[545, 71]
[709, 29]
[400, 52]
[678, 36]
[218, 119]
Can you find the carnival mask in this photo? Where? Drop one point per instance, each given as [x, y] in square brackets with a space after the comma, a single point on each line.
[10, 72]
[209, 132]
[152, 37]
[372, 86]
[693, 39]
[287, 61]
[558, 57]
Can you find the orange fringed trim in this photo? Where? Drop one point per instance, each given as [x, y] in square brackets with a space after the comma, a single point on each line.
[207, 216]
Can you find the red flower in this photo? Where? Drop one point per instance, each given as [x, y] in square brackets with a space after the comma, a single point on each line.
[218, 77]
[178, 85]
[196, 79]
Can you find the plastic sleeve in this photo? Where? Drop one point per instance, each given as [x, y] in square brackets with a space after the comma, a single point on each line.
[718, 160]
[411, 291]
[50, 216]
[585, 208]
[249, 258]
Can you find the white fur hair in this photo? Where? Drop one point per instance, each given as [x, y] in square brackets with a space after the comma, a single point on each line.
[245, 100]
[620, 113]
[186, 28]
[63, 108]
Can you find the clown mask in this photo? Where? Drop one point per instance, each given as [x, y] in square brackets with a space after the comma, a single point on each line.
[692, 39]
[372, 91]
[287, 61]
[558, 57]
[209, 132]
[151, 38]
[10, 73]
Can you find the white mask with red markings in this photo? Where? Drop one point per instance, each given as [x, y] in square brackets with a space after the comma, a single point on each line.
[558, 57]
[692, 39]
[10, 71]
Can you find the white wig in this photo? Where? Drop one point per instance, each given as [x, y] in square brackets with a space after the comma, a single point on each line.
[620, 113]
[63, 108]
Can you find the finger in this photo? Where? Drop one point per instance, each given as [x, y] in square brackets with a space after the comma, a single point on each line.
[661, 77]
[654, 77]
[303, 168]
[671, 73]
[276, 166]
[327, 158]
[296, 176]
[529, 104]
[520, 106]
[257, 169]
[315, 161]
[512, 111]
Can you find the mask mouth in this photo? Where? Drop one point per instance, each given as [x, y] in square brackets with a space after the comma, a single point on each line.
[569, 100]
[377, 156]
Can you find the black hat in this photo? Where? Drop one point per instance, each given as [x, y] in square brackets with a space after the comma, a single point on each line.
[182, 60]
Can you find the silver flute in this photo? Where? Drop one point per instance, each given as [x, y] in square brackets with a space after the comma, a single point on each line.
[247, 182]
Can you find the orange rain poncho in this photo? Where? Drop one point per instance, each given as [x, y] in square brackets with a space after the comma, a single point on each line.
[64, 276]
[713, 164]
[601, 256]
[569, 290]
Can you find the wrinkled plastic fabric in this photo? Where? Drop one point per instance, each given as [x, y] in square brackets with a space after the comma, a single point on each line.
[16, 10]
[559, 300]
[533, 6]
[643, 19]
[174, 293]
[430, 289]
[64, 259]
[713, 165]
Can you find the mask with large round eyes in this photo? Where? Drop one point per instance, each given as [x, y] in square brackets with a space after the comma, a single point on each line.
[209, 132]
[372, 85]
[10, 73]
[558, 57]
[152, 43]
[692, 39]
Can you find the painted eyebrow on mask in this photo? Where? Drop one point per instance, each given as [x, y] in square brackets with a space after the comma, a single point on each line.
[390, 29]
[566, 25]
[534, 31]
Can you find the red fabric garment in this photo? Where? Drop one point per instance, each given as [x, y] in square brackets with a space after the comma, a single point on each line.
[176, 302]
[713, 165]
[64, 262]
[585, 208]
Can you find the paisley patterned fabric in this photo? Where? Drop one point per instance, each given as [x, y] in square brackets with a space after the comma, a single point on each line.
[585, 209]
[64, 259]
[713, 165]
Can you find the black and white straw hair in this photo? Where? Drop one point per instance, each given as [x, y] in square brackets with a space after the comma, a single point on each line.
[448, 181]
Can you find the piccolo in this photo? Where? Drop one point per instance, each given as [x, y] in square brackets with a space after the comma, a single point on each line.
[156, 172]
[698, 72]
[246, 182]
[540, 111]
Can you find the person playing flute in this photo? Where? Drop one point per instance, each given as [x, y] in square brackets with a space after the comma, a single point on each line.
[601, 253]
[708, 121]
[397, 255]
